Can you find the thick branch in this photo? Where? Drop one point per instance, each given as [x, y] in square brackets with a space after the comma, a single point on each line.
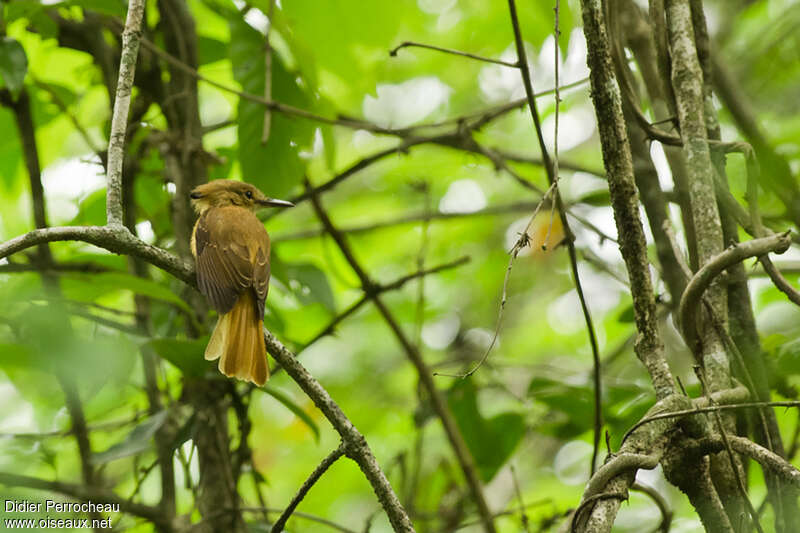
[767, 459]
[624, 200]
[114, 239]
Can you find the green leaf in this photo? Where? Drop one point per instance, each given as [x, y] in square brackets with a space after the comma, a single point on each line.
[137, 441]
[290, 404]
[210, 50]
[626, 315]
[275, 167]
[186, 355]
[13, 65]
[491, 441]
[91, 210]
[787, 356]
[307, 282]
[37, 17]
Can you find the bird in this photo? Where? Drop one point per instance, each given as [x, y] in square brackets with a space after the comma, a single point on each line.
[231, 249]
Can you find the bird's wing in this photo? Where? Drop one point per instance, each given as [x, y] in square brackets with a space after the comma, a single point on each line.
[232, 256]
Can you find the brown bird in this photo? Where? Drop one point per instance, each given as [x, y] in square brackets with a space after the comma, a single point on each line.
[231, 248]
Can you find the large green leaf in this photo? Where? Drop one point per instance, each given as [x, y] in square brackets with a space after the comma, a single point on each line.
[137, 441]
[490, 440]
[275, 167]
[186, 355]
[13, 65]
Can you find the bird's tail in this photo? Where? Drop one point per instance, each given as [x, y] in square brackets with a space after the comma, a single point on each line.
[238, 342]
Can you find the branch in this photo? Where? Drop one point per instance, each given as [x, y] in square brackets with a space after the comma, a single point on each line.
[660, 501]
[780, 282]
[687, 311]
[619, 464]
[408, 44]
[122, 102]
[767, 459]
[321, 468]
[86, 493]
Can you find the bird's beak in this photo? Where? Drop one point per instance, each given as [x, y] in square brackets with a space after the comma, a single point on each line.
[273, 202]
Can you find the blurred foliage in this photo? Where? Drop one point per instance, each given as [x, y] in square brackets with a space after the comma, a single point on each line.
[530, 405]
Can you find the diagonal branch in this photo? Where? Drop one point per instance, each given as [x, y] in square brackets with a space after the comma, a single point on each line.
[321, 468]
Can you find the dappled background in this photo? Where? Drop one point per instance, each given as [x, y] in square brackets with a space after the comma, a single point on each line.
[417, 199]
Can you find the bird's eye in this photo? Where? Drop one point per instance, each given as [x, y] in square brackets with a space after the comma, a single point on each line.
[249, 194]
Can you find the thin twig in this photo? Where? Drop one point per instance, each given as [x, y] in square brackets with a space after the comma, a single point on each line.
[313, 518]
[522, 242]
[569, 238]
[737, 474]
[709, 409]
[330, 328]
[321, 468]
[661, 503]
[408, 44]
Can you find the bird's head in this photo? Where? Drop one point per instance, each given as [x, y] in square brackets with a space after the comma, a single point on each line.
[221, 193]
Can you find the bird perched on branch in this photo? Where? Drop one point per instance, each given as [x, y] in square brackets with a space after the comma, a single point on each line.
[231, 248]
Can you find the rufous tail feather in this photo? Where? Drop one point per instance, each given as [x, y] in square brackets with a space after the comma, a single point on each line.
[238, 342]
